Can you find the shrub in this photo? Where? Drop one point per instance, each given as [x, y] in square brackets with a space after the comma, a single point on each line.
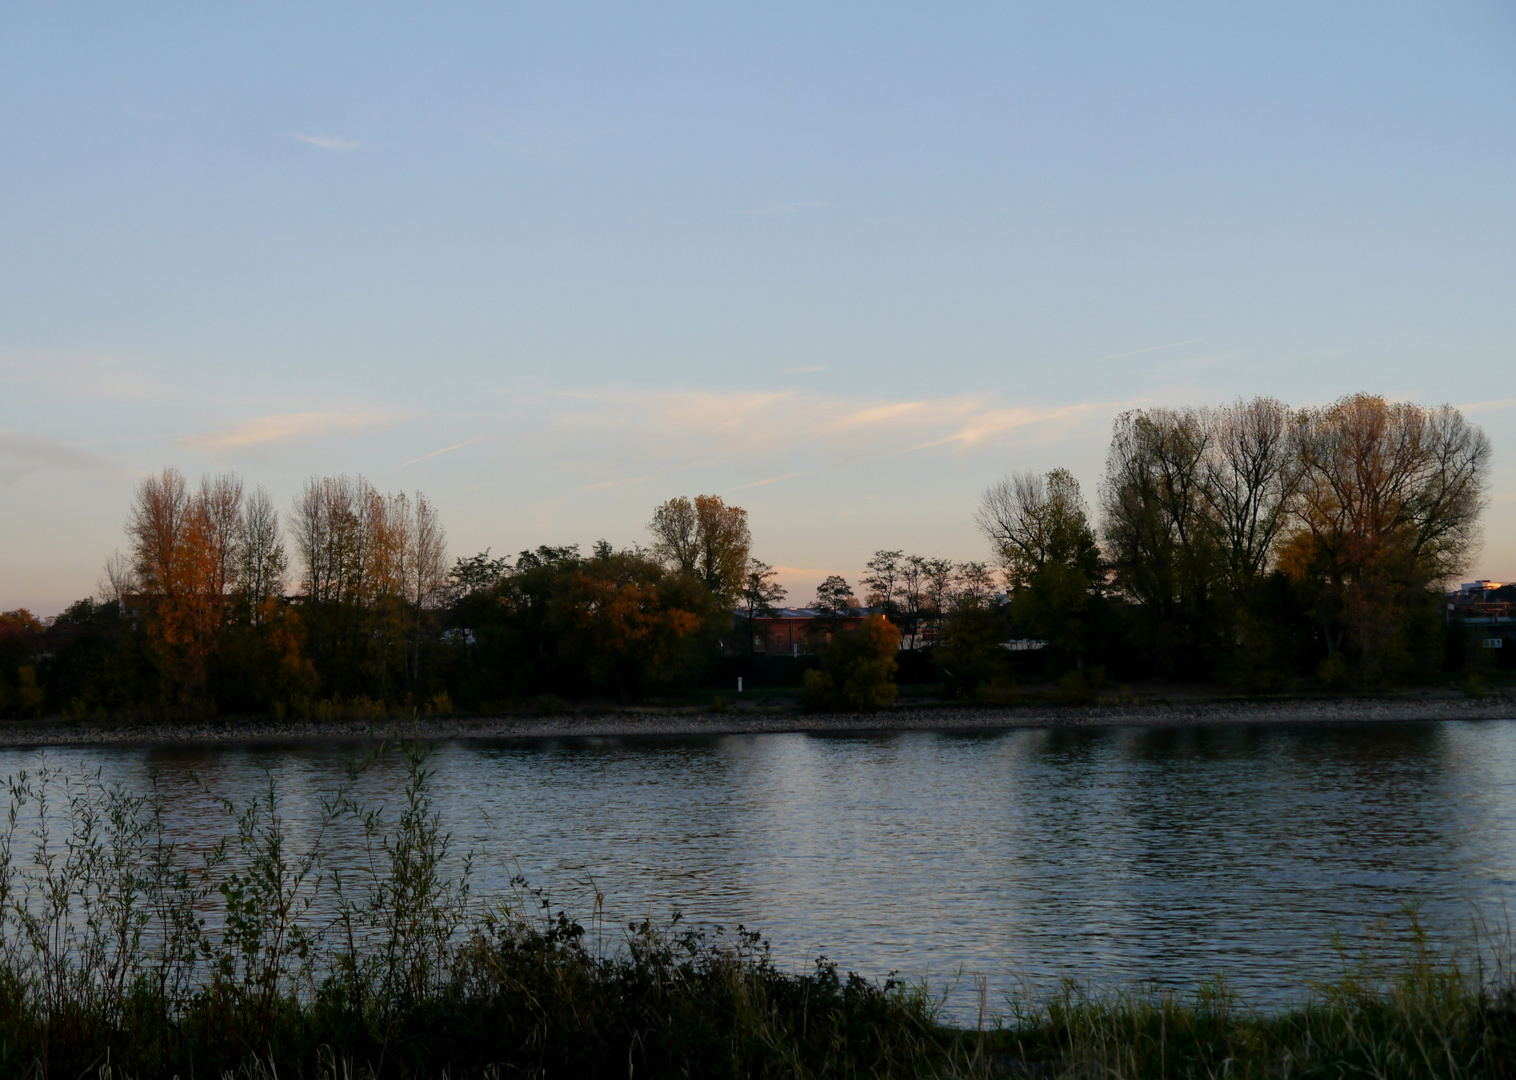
[857, 669]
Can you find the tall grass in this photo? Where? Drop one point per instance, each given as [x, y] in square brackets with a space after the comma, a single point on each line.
[125, 953]
[1399, 1007]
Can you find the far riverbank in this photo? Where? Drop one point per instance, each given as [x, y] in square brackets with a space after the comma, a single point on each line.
[747, 721]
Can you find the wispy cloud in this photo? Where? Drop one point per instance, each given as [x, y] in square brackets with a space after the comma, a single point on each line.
[691, 427]
[789, 207]
[765, 482]
[284, 428]
[1150, 348]
[326, 142]
[22, 455]
[605, 484]
[1488, 406]
[444, 450]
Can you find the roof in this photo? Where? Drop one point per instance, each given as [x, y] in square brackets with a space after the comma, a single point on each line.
[813, 613]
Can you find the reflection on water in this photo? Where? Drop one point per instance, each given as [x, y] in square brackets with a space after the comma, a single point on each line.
[1108, 855]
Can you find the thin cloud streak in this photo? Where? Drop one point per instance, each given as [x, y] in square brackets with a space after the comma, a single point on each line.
[1150, 348]
[284, 428]
[326, 142]
[1487, 406]
[444, 450]
[764, 483]
[605, 484]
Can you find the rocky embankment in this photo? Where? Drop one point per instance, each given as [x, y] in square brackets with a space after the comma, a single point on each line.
[61, 732]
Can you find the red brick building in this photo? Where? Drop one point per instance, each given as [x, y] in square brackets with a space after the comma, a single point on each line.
[795, 631]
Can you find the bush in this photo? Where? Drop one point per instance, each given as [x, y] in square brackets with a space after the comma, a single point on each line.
[123, 954]
[970, 655]
[857, 669]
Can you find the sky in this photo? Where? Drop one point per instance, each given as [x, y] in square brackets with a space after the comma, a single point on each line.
[844, 265]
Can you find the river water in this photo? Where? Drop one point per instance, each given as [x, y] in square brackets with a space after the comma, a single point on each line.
[1111, 855]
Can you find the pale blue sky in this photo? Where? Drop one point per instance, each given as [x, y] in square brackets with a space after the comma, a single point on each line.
[551, 264]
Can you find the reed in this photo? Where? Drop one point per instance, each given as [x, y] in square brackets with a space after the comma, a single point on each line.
[124, 954]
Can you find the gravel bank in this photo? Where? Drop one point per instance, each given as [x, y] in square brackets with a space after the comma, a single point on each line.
[736, 722]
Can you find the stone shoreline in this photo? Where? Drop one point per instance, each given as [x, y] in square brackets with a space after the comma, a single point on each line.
[745, 722]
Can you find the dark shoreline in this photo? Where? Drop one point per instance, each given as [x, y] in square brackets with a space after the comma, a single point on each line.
[69, 732]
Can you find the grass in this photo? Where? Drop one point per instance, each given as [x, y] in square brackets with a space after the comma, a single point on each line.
[1400, 1008]
[124, 954]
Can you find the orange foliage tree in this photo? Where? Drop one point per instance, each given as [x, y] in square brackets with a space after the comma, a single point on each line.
[1389, 502]
[707, 539]
[630, 624]
[182, 557]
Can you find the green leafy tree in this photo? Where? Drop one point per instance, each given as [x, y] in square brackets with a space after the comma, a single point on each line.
[760, 595]
[1041, 532]
[834, 603]
[883, 581]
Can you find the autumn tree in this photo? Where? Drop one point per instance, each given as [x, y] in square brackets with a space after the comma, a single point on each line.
[1390, 497]
[373, 565]
[182, 560]
[857, 672]
[706, 539]
[628, 624]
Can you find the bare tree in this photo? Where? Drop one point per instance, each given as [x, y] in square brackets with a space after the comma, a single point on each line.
[117, 580]
[1250, 475]
[913, 596]
[422, 562]
[1034, 520]
[973, 586]
[1154, 512]
[261, 560]
[346, 544]
[220, 501]
[883, 580]
[939, 586]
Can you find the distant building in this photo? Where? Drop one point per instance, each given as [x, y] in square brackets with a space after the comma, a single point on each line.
[797, 631]
[1489, 609]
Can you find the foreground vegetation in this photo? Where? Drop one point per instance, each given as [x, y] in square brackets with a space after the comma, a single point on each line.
[124, 953]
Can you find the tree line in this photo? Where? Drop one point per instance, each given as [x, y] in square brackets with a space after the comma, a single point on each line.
[1250, 543]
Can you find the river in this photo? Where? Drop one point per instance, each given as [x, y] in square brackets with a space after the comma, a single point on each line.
[1109, 855]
